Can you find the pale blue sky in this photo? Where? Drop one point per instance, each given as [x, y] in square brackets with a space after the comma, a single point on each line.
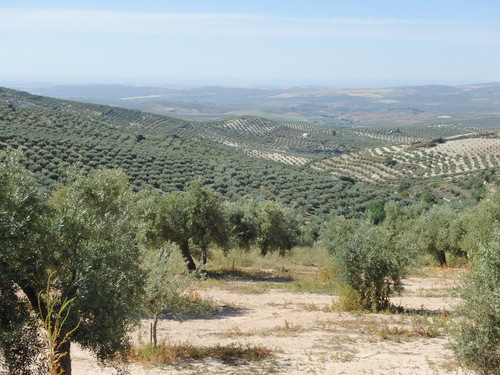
[251, 42]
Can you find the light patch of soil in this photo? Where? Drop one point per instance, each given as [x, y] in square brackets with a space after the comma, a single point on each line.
[309, 337]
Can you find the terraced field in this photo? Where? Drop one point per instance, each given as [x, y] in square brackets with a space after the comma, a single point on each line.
[455, 155]
[277, 157]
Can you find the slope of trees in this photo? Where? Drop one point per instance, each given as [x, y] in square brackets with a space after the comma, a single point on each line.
[55, 140]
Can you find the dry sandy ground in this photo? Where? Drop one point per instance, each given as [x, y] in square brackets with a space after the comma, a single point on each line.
[307, 338]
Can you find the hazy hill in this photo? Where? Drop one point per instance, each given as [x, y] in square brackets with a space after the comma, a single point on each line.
[391, 106]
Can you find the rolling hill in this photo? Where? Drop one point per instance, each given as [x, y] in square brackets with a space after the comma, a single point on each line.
[247, 156]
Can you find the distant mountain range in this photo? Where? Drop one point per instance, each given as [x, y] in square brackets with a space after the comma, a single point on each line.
[392, 106]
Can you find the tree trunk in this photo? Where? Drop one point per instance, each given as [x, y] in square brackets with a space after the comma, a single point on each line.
[155, 337]
[64, 366]
[187, 256]
[203, 259]
[442, 258]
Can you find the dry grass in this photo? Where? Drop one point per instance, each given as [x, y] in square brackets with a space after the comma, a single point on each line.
[304, 270]
[170, 353]
[287, 329]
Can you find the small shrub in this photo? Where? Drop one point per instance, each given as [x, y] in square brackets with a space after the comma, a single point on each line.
[371, 260]
[349, 299]
[347, 179]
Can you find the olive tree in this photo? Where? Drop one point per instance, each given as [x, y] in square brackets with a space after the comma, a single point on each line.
[242, 221]
[207, 222]
[372, 259]
[480, 221]
[97, 258]
[196, 217]
[439, 231]
[166, 285]
[278, 228]
[85, 232]
[23, 225]
[477, 340]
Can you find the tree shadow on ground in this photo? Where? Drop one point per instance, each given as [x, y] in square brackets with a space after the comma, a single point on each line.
[222, 312]
[250, 276]
[420, 311]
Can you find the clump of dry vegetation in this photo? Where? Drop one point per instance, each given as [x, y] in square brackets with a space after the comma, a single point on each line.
[169, 353]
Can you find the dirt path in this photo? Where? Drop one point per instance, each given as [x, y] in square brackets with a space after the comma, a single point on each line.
[309, 338]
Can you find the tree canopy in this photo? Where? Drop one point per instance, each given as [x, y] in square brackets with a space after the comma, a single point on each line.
[85, 232]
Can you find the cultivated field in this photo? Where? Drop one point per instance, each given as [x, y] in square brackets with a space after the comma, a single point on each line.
[454, 156]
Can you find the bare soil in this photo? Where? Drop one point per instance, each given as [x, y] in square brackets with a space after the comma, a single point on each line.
[307, 336]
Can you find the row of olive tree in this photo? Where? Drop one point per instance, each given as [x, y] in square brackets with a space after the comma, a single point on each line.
[199, 218]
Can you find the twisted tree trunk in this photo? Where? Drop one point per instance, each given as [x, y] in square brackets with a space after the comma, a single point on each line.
[186, 253]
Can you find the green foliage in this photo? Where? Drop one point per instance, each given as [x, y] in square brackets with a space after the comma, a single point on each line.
[242, 219]
[86, 231]
[50, 326]
[22, 226]
[434, 142]
[439, 231]
[98, 257]
[349, 299]
[207, 221]
[375, 212]
[196, 216]
[278, 228]
[478, 336]
[481, 221]
[166, 285]
[347, 179]
[428, 197]
[371, 259]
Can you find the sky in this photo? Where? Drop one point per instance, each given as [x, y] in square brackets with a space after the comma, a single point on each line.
[251, 42]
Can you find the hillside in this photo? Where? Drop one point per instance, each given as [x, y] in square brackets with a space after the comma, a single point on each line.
[441, 157]
[239, 156]
[164, 153]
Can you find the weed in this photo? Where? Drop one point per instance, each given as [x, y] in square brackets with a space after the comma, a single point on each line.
[346, 355]
[236, 332]
[303, 270]
[349, 299]
[310, 307]
[424, 326]
[165, 354]
[288, 329]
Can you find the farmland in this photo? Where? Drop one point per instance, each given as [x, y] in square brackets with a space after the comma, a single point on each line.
[337, 107]
[252, 156]
[452, 157]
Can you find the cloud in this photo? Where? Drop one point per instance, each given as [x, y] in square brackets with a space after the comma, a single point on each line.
[244, 25]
